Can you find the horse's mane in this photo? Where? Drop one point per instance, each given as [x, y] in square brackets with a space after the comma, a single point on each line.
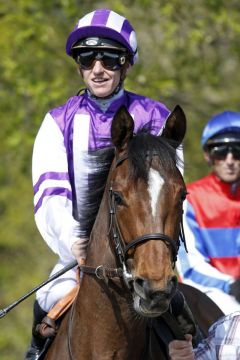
[144, 147]
[93, 184]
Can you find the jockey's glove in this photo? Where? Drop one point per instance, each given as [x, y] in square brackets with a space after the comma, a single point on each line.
[235, 289]
[79, 250]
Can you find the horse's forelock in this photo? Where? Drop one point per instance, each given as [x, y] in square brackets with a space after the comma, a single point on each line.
[143, 148]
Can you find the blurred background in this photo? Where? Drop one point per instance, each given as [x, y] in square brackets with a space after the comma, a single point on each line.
[189, 55]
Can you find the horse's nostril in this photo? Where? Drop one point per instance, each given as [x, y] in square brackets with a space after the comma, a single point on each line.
[143, 288]
[172, 285]
[174, 280]
[139, 282]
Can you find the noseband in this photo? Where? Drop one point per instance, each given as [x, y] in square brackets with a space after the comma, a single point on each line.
[122, 249]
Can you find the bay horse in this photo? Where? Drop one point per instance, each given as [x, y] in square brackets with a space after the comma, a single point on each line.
[129, 274]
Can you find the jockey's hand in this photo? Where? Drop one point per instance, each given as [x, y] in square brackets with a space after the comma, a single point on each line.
[181, 349]
[235, 289]
[79, 250]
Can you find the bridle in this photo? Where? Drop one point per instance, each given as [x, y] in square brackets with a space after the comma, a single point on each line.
[121, 248]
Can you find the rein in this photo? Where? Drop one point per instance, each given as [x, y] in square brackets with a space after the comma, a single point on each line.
[102, 272]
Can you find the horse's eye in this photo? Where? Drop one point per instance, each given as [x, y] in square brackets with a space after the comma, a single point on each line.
[118, 198]
[183, 196]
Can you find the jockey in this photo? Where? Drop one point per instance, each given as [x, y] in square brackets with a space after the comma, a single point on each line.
[73, 151]
[212, 217]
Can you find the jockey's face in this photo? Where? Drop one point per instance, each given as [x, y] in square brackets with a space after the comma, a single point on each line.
[227, 169]
[100, 81]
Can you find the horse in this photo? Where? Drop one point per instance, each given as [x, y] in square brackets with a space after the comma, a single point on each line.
[129, 276]
[205, 311]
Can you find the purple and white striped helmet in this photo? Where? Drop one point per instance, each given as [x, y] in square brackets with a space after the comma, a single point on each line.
[108, 24]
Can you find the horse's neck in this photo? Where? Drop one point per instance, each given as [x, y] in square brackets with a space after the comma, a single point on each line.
[103, 314]
[97, 296]
[99, 248]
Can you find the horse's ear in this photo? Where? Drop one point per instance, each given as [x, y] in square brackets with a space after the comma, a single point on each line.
[176, 125]
[122, 128]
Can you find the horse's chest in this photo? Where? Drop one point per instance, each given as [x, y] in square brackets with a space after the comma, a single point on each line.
[120, 354]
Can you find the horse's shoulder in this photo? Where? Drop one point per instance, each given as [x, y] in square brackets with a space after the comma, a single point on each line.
[204, 309]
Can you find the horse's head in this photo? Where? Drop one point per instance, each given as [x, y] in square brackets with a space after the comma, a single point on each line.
[146, 195]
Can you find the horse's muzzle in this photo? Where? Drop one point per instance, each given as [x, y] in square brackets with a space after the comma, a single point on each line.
[152, 302]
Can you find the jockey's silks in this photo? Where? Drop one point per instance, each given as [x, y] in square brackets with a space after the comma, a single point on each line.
[70, 158]
[212, 229]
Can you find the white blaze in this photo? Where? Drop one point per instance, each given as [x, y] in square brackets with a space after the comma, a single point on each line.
[155, 183]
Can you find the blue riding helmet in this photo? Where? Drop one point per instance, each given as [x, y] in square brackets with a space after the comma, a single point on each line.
[223, 127]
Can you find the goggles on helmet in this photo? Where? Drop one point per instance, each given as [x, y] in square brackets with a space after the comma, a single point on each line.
[111, 60]
[219, 152]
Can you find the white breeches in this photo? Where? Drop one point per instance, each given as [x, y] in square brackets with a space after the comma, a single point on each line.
[51, 293]
[227, 303]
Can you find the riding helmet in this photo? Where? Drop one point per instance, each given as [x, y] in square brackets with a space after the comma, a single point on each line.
[222, 128]
[104, 25]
